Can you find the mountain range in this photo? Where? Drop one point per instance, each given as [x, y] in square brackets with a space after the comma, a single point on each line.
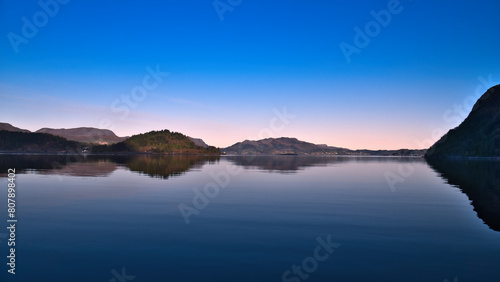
[477, 136]
[76, 140]
[88, 135]
[293, 146]
[106, 141]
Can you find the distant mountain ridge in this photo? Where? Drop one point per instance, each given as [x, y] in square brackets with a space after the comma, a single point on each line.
[478, 135]
[293, 146]
[88, 135]
[93, 137]
[275, 146]
[75, 140]
[198, 142]
[9, 127]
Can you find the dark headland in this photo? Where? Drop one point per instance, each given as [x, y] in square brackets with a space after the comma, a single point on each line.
[478, 136]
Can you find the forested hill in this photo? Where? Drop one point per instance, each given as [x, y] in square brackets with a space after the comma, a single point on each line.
[163, 141]
[27, 142]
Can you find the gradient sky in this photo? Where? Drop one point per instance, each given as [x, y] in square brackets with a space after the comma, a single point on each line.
[410, 84]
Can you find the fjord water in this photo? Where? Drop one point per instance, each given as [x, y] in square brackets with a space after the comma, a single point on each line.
[118, 219]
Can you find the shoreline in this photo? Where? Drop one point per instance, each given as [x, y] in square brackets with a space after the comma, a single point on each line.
[454, 158]
[192, 154]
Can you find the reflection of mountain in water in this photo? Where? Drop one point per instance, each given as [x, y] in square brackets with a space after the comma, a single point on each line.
[162, 166]
[290, 164]
[93, 168]
[73, 165]
[479, 180]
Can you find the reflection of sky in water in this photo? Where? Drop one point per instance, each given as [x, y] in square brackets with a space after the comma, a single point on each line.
[256, 228]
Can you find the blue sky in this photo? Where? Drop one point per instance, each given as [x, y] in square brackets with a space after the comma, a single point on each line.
[227, 78]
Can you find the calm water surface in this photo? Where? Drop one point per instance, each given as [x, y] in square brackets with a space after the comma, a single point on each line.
[192, 218]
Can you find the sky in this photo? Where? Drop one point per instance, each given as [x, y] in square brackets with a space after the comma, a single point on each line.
[354, 74]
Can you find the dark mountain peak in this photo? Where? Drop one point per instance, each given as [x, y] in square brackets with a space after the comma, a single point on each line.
[278, 140]
[289, 140]
[199, 142]
[286, 139]
[478, 135]
[491, 96]
[489, 101]
[9, 127]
